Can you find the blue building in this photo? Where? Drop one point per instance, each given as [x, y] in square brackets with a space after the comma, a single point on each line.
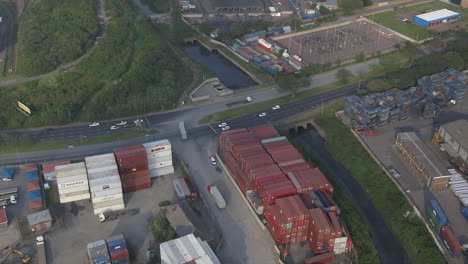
[435, 18]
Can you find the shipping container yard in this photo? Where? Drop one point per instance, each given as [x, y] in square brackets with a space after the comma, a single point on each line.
[292, 195]
[338, 44]
[425, 156]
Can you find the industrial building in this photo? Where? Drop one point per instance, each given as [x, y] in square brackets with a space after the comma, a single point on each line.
[238, 5]
[185, 221]
[435, 18]
[40, 221]
[454, 136]
[432, 172]
[187, 249]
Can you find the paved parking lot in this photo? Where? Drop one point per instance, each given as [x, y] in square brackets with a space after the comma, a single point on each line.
[382, 145]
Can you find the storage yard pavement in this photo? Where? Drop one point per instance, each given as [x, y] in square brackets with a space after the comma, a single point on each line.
[382, 146]
[244, 241]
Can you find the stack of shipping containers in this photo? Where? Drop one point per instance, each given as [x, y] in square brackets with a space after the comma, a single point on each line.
[104, 183]
[133, 168]
[439, 222]
[159, 154]
[72, 182]
[294, 197]
[118, 249]
[48, 170]
[98, 253]
[34, 187]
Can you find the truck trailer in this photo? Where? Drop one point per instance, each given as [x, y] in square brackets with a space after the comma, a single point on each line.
[41, 255]
[217, 197]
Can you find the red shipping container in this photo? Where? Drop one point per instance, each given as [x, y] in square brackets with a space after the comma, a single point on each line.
[296, 167]
[136, 188]
[136, 181]
[292, 208]
[50, 167]
[35, 204]
[336, 224]
[31, 167]
[261, 180]
[119, 254]
[275, 144]
[270, 194]
[322, 258]
[136, 174]
[446, 234]
[319, 231]
[33, 185]
[264, 132]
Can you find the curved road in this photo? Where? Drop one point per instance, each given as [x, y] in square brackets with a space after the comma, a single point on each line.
[101, 17]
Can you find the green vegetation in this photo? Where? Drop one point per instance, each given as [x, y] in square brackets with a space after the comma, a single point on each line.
[157, 6]
[131, 71]
[392, 19]
[9, 144]
[162, 230]
[164, 203]
[343, 75]
[362, 242]
[8, 18]
[385, 196]
[378, 85]
[51, 195]
[53, 32]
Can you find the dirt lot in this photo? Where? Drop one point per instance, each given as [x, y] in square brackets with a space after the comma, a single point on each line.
[338, 44]
[382, 146]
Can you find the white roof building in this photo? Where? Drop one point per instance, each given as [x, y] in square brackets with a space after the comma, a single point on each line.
[439, 14]
[187, 249]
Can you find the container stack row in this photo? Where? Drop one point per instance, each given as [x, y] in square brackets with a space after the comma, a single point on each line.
[98, 253]
[459, 186]
[34, 187]
[118, 249]
[439, 222]
[48, 170]
[294, 197]
[133, 168]
[159, 155]
[72, 182]
[444, 86]
[104, 183]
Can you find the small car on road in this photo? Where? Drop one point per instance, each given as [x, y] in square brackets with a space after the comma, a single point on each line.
[249, 99]
[213, 160]
[222, 125]
[276, 107]
[262, 114]
[94, 124]
[225, 128]
[122, 123]
[114, 127]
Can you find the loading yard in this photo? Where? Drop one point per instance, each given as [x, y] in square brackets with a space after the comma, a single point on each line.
[341, 43]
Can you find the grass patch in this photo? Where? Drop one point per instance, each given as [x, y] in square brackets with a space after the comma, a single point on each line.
[51, 195]
[357, 227]
[158, 6]
[38, 146]
[391, 19]
[162, 230]
[385, 196]
[23, 226]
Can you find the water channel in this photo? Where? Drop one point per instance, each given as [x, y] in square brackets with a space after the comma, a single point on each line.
[228, 74]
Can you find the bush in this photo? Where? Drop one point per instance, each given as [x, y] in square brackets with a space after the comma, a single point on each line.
[343, 75]
[164, 203]
[378, 85]
[53, 32]
[162, 229]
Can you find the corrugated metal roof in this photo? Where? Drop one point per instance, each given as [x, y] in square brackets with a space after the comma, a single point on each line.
[186, 249]
[458, 130]
[39, 217]
[439, 14]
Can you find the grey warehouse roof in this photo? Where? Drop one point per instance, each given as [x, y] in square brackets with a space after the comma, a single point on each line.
[458, 130]
[39, 217]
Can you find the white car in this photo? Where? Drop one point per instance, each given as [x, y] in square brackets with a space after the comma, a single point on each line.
[276, 107]
[249, 99]
[225, 128]
[13, 199]
[394, 173]
[94, 124]
[222, 125]
[262, 114]
[213, 160]
[138, 121]
[114, 127]
[122, 123]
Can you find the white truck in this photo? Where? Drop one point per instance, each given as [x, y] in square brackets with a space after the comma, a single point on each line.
[217, 197]
[41, 255]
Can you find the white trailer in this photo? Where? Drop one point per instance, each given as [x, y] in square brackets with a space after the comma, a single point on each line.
[217, 197]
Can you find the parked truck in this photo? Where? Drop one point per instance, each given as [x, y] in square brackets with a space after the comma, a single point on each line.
[113, 215]
[41, 255]
[217, 197]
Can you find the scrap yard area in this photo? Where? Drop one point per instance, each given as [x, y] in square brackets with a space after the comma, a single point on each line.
[341, 43]
[419, 137]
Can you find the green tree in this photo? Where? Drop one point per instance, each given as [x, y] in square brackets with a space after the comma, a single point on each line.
[378, 85]
[238, 30]
[292, 82]
[206, 28]
[324, 10]
[455, 60]
[343, 75]
[367, 2]
[348, 6]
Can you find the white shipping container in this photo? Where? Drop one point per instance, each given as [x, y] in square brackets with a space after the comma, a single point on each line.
[72, 178]
[158, 154]
[76, 194]
[103, 164]
[264, 43]
[103, 174]
[102, 168]
[160, 159]
[66, 199]
[108, 203]
[161, 171]
[155, 146]
[70, 166]
[78, 188]
[101, 187]
[72, 184]
[110, 208]
[159, 165]
[217, 197]
[107, 198]
[98, 158]
[104, 181]
[69, 173]
[105, 193]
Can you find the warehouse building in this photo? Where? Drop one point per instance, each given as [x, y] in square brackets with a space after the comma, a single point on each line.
[187, 249]
[435, 18]
[238, 5]
[424, 162]
[40, 221]
[455, 140]
[185, 221]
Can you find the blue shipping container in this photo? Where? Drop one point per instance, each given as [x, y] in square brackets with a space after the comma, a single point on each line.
[35, 195]
[464, 212]
[121, 261]
[326, 206]
[7, 173]
[438, 212]
[32, 175]
[105, 259]
[116, 245]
